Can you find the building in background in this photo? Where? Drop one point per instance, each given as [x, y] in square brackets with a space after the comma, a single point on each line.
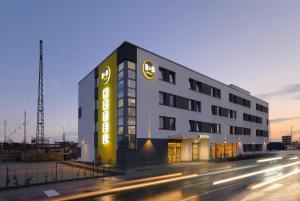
[286, 140]
[137, 107]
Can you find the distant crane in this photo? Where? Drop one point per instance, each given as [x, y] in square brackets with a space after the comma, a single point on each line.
[40, 105]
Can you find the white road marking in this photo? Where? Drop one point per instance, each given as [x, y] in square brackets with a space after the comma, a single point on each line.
[51, 193]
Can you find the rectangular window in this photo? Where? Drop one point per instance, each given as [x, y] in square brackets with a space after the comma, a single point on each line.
[131, 92]
[120, 121]
[131, 74]
[167, 123]
[205, 127]
[121, 67]
[161, 98]
[131, 84]
[131, 102]
[167, 75]
[131, 111]
[172, 100]
[120, 130]
[204, 88]
[131, 130]
[131, 65]
[79, 112]
[120, 112]
[131, 121]
[252, 118]
[121, 85]
[239, 100]
[121, 75]
[120, 102]
[262, 108]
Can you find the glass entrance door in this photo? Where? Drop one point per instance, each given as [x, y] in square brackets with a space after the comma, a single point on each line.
[195, 151]
[174, 152]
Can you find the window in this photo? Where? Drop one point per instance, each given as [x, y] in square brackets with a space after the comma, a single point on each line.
[131, 92]
[120, 121]
[131, 74]
[131, 130]
[262, 133]
[234, 130]
[198, 126]
[121, 102]
[252, 118]
[131, 121]
[262, 108]
[161, 98]
[131, 102]
[131, 84]
[120, 130]
[120, 112]
[183, 103]
[120, 93]
[172, 100]
[167, 75]
[79, 112]
[239, 100]
[131, 65]
[167, 123]
[224, 112]
[120, 75]
[131, 111]
[121, 85]
[204, 88]
[121, 67]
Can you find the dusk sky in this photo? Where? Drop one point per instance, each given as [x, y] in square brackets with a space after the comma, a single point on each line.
[253, 44]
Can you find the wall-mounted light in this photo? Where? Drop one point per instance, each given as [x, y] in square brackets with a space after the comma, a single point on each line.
[83, 142]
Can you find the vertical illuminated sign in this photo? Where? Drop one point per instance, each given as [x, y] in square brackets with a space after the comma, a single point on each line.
[105, 106]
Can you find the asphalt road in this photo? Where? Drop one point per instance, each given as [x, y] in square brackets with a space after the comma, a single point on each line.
[265, 175]
[240, 180]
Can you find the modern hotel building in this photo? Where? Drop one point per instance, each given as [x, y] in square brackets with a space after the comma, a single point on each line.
[137, 107]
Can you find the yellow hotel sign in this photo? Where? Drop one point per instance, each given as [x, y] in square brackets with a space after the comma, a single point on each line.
[107, 115]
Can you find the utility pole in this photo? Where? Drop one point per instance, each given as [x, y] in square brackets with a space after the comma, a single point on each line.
[5, 122]
[24, 124]
[40, 105]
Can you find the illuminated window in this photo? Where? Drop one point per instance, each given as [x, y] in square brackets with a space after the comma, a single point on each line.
[131, 130]
[105, 93]
[131, 102]
[131, 65]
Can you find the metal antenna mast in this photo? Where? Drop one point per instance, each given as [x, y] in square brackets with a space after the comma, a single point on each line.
[5, 122]
[40, 105]
[24, 141]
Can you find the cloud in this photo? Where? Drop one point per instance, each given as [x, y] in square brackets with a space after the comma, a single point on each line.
[286, 90]
[278, 120]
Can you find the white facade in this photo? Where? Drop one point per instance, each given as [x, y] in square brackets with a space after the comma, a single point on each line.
[86, 123]
[148, 111]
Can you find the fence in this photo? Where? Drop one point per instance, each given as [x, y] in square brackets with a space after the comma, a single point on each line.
[24, 174]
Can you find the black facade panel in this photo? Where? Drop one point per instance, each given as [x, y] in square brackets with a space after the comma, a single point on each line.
[127, 51]
[152, 152]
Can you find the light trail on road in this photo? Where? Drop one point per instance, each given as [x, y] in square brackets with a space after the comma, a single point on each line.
[270, 181]
[269, 159]
[122, 189]
[255, 173]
